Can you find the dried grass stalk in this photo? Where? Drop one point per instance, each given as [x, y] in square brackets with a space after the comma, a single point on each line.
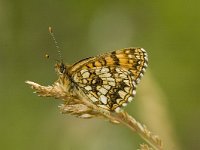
[144, 147]
[81, 107]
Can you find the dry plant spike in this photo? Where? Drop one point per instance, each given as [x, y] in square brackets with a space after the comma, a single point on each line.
[144, 147]
[100, 86]
[84, 109]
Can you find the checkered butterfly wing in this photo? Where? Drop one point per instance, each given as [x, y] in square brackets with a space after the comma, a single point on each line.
[110, 80]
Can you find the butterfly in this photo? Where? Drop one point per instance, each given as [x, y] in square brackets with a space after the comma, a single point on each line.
[109, 80]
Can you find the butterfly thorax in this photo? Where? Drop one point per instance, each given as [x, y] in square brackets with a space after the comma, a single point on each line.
[64, 79]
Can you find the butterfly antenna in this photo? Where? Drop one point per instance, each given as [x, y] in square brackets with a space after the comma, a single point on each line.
[56, 43]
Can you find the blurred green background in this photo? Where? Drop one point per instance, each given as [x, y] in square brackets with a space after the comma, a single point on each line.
[168, 97]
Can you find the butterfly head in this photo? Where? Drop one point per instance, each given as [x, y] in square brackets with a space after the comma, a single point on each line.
[61, 68]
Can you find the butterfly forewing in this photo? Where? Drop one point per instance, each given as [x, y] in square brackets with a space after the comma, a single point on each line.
[109, 80]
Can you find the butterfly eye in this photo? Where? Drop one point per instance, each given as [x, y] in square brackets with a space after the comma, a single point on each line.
[62, 68]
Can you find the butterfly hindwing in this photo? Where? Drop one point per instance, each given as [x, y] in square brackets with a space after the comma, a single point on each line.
[107, 87]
